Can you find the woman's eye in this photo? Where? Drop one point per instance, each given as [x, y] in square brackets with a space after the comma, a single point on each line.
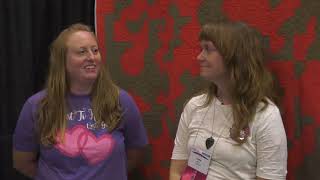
[95, 50]
[211, 49]
[205, 49]
[81, 51]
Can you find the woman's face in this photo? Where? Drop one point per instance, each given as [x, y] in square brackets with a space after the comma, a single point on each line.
[211, 62]
[83, 59]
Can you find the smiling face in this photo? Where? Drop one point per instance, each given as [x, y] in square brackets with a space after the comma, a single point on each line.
[83, 59]
[211, 62]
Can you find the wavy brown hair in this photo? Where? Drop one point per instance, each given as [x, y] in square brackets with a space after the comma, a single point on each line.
[53, 107]
[250, 82]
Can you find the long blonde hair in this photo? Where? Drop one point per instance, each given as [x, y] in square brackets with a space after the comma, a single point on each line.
[53, 107]
[250, 81]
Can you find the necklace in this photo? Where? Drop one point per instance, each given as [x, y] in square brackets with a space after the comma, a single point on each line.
[210, 141]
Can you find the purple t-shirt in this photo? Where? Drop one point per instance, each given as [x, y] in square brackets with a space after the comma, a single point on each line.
[87, 153]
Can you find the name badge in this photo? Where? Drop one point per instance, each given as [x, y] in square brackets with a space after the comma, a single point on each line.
[200, 160]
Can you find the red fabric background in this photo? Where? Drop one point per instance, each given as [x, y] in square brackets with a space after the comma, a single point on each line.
[150, 48]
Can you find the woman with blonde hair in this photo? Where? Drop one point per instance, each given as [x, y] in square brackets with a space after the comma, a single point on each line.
[233, 130]
[81, 126]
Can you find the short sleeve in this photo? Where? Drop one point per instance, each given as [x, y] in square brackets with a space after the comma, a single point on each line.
[24, 137]
[134, 130]
[271, 147]
[180, 149]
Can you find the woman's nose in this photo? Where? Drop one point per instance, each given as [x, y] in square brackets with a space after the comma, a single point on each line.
[90, 55]
[200, 56]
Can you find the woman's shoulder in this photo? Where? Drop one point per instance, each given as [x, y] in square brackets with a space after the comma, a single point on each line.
[37, 97]
[124, 95]
[267, 107]
[268, 124]
[197, 101]
[268, 113]
[127, 98]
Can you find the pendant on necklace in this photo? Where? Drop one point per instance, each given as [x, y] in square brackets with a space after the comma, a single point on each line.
[209, 142]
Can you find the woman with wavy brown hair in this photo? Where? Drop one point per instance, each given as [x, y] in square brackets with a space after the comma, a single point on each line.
[232, 130]
[81, 126]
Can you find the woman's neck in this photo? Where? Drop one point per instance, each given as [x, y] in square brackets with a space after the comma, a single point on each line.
[80, 89]
[223, 95]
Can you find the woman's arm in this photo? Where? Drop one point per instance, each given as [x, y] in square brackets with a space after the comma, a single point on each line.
[176, 169]
[271, 146]
[25, 162]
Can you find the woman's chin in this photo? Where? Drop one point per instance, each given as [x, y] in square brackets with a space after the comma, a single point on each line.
[204, 75]
[90, 77]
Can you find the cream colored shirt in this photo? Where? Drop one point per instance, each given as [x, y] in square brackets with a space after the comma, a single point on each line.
[264, 154]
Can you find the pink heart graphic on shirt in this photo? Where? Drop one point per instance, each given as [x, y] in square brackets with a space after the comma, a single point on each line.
[97, 149]
[70, 145]
[79, 140]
